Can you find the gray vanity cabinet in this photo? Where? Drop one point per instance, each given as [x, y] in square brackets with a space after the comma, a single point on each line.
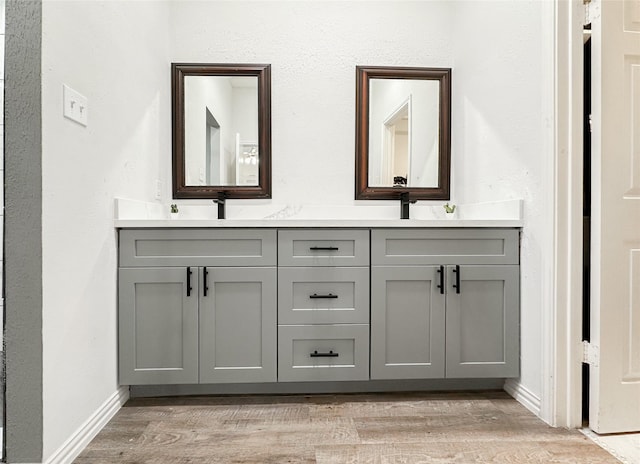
[197, 306]
[234, 305]
[445, 303]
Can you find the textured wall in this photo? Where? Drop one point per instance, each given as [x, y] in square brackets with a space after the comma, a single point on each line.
[23, 233]
[114, 53]
[313, 49]
[499, 140]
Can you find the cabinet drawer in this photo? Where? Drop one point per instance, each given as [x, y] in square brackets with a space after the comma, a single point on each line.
[197, 247]
[323, 295]
[444, 246]
[323, 352]
[323, 247]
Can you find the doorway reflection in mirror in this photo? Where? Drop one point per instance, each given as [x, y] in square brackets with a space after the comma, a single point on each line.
[403, 132]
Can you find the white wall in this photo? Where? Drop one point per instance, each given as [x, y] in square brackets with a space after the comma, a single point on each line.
[499, 141]
[313, 48]
[114, 53]
[245, 110]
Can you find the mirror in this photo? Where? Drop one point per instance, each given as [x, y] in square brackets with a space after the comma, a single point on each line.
[221, 130]
[403, 129]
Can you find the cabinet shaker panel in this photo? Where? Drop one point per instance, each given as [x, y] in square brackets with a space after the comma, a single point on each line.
[238, 326]
[407, 323]
[483, 322]
[158, 327]
[444, 246]
[197, 247]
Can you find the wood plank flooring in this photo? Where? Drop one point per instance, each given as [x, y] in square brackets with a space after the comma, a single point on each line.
[407, 428]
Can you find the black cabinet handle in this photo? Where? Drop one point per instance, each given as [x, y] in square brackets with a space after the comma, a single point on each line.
[330, 354]
[315, 296]
[189, 281]
[441, 285]
[316, 248]
[456, 271]
[205, 273]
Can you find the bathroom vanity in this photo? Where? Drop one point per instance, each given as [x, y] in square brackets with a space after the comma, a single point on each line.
[317, 302]
[288, 301]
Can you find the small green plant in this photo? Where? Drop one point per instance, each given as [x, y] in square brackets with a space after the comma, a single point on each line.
[174, 208]
[449, 209]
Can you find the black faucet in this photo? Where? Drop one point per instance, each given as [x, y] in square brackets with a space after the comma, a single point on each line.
[221, 201]
[404, 205]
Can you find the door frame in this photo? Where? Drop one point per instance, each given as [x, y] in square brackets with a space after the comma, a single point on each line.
[561, 404]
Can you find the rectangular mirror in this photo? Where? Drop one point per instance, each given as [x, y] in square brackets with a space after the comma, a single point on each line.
[221, 131]
[403, 132]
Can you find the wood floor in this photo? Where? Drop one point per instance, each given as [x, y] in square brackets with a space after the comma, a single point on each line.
[485, 427]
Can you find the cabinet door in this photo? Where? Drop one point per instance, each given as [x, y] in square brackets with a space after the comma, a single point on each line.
[158, 326]
[483, 321]
[407, 322]
[238, 325]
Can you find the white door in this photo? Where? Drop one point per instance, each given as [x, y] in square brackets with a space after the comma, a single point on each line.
[615, 285]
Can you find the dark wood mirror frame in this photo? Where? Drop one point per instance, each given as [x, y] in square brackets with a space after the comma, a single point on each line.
[363, 190]
[263, 73]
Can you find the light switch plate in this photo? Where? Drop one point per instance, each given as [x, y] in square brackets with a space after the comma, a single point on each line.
[75, 106]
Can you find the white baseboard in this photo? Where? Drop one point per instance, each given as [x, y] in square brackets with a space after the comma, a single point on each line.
[81, 438]
[523, 396]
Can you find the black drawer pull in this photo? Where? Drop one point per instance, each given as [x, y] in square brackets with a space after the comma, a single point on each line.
[316, 248]
[315, 296]
[330, 354]
[189, 281]
[456, 271]
[441, 285]
[205, 273]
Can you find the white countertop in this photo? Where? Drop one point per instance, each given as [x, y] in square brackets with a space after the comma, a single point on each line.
[301, 223]
[136, 214]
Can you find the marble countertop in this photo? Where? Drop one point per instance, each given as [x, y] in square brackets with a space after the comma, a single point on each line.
[135, 214]
[302, 223]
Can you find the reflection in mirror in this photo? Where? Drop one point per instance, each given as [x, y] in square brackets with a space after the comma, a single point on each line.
[399, 155]
[402, 133]
[221, 131]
